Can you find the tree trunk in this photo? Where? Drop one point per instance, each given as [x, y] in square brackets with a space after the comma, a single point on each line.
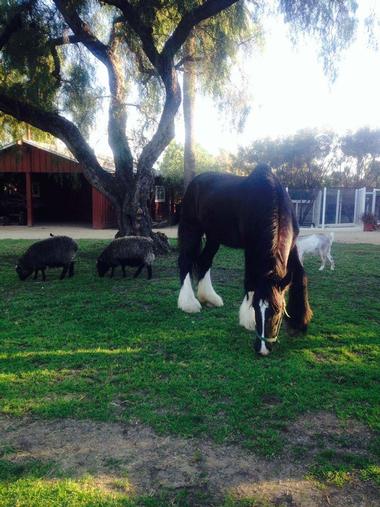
[133, 215]
[189, 83]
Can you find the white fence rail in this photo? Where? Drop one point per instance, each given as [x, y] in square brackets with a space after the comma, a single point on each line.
[332, 207]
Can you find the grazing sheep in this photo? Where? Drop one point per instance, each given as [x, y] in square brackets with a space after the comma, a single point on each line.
[127, 251]
[317, 244]
[53, 252]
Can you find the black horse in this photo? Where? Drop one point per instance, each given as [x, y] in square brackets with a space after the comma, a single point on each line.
[256, 214]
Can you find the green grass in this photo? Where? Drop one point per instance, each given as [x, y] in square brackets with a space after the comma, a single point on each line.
[30, 490]
[338, 468]
[118, 349]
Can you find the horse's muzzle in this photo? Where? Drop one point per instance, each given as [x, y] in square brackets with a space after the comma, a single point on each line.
[263, 348]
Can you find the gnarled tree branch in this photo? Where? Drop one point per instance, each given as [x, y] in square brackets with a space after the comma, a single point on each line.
[65, 130]
[133, 18]
[189, 20]
[106, 53]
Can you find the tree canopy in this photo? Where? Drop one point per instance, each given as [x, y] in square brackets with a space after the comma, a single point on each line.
[171, 165]
[311, 159]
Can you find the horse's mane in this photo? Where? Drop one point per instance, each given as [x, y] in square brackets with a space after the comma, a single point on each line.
[269, 289]
[274, 203]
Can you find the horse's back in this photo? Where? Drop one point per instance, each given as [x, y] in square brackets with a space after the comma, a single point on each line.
[212, 202]
[228, 208]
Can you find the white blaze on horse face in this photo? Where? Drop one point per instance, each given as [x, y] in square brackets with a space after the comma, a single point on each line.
[263, 307]
[206, 293]
[186, 299]
[247, 313]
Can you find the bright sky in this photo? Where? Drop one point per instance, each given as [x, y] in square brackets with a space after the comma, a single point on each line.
[290, 91]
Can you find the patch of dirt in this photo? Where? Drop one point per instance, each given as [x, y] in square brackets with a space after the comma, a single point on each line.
[134, 458]
[325, 431]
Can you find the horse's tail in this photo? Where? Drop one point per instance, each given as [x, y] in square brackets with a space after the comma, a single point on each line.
[331, 238]
[298, 307]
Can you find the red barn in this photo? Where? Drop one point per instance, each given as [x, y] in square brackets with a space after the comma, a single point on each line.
[40, 184]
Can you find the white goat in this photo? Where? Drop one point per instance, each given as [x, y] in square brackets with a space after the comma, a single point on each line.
[317, 244]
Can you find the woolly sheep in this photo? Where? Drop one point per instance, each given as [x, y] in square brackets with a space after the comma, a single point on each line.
[53, 252]
[127, 251]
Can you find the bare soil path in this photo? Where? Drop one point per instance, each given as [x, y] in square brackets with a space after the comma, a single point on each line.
[342, 234]
[110, 452]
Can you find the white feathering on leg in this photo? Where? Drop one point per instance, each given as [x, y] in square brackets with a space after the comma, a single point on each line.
[206, 293]
[247, 313]
[186, 299]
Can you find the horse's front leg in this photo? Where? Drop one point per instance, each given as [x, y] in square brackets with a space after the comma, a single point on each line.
[246, 311]
[206, 293]
[189, 247]
[298, 306]
[186, 299]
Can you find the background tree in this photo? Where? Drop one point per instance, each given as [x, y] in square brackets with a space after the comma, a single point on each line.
[209, 55]
[11, 130]
[362, 147]
[171, 165]
[301, 161]
[311, 159]
[189, 84]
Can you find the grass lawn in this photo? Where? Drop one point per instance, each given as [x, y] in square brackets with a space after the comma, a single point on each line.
[118, 350]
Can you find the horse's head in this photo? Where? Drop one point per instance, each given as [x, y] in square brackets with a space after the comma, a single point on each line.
[269, 306]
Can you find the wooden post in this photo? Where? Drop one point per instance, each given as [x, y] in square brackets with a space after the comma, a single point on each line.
[29, 201]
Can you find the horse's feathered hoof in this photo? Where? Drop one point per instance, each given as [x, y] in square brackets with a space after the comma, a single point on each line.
[187, 301]
[211, 302]
[189, 306]
[206, 293]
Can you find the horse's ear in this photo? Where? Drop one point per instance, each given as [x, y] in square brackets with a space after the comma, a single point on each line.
[284, 282]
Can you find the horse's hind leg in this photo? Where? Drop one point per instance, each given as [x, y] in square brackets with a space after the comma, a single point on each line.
[190, 240]
[206, 293]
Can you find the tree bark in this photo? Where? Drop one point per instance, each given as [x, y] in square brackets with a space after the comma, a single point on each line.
[189, 83]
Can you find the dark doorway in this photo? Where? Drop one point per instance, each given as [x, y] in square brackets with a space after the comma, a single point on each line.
[62, 198]
[12, 199]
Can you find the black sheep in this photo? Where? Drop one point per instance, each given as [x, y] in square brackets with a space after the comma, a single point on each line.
[53, 252]
[135, 251]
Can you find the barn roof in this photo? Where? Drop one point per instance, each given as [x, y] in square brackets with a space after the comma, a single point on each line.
[59, 151]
